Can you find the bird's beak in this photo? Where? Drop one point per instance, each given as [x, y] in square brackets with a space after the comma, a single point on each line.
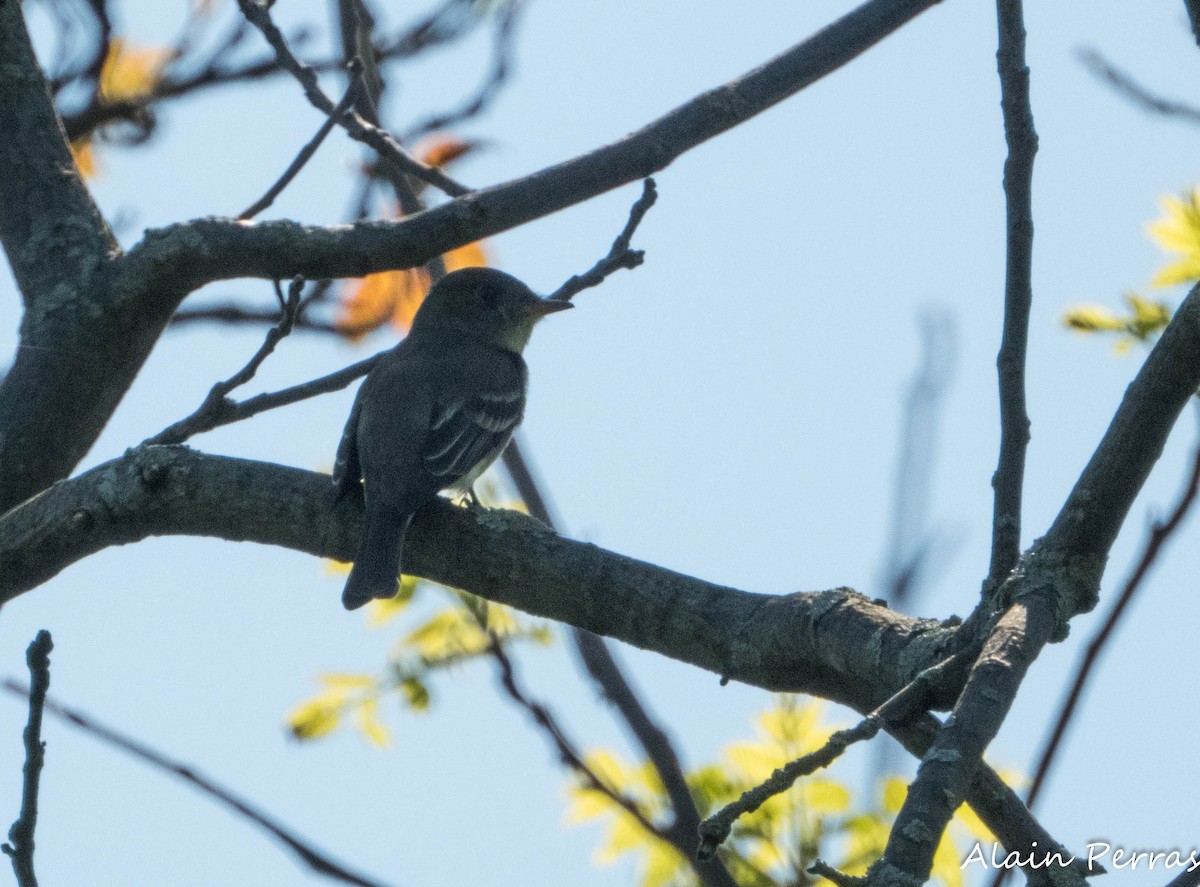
[542, 307]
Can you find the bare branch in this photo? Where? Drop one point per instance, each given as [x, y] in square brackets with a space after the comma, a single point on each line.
[1160, 534]
[841, 879]
[217, 407]
[620, 256]
[309, 149]
[1134, 91]
[1057, 578]
[356, 126]
[21, 833]
[835, 644]
[37, 171]
[502, 51]
[1018, 288]
[567, 752]
[212, 249]
[236, 314]
[307, 853]
[444, 24]
[913, 699]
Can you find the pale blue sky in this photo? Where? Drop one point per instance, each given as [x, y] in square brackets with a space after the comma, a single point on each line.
[729, 410]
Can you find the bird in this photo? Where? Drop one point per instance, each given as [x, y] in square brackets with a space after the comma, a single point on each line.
[434, 413]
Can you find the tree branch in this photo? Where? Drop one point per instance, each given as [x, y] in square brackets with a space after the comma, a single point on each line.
[21, 833]
[834, 644]
[356, 126]
[1057, 578]
[1160, 534]
[567, 752]
[1018, 289]
[307, 853]
[502, 51]
[1134, 91]
[310, 148]
[1193, 11]
[619, 256]
[36, 172]
[910, 701]
[143, 288]
[186, 256]
[57, 244]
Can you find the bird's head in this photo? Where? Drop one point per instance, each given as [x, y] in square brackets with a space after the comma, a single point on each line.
[485, 304]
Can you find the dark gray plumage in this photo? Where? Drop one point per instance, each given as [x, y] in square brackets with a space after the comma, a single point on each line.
[434, 412]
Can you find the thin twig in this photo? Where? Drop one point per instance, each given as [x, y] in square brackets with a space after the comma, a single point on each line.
[306, 153]
[566, 751]
[841, 879]
[235, 314]
[21, 833]
[502, 53]
[1160, 534]
[354, 124]
[356, 23]
[217, 405]
[1018, 289]
[620, 256]
[593, 651]
[309, 855]
[916, 697]
[441, 26]
[1131, 89]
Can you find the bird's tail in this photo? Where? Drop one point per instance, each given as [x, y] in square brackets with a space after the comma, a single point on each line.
[377, 565]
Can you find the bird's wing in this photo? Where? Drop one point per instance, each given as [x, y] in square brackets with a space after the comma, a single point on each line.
[474, 423]
[347, 470]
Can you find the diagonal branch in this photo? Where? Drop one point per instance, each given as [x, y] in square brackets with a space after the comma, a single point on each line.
[1057, 578]
[217, 408]
[567, 751]
[143, 288]
[310, 148]
[206, 250]
[1134, 91]
[915, 698]
[355, 125]
[834, 644]
[619, 256]
[307, 853]
[1160, 534]
[502, 52]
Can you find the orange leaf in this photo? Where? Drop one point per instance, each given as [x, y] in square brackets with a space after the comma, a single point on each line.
[131, 72]
[394, 296]
[442, 148]
[85, 157]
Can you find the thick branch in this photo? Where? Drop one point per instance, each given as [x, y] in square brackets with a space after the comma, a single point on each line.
[1057, 578]
[1160, 534]
[184, 257]
[57, 245]
[52, 232]
[834, 644]
[143, 288]
[825, 642]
